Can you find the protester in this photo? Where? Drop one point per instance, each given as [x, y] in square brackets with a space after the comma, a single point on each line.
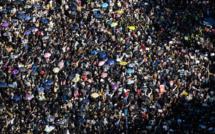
[111, 66]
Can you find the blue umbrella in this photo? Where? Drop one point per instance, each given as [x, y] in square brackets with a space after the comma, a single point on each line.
[21, 16]
[74, 27]
[21, 12]
[27, 32]
[3, 84]
[94, 10]
[16, 98]
[81, 120]
[140, 4]
[71, 76]
[40, 89]
[98, 15]
[47, 87]
[49, 82]
[130, 71]
[37, 6]
[21, 0]
[50, 119]
[85, 101]
[110, 62]
[104, 5]
[4, 11]
[44, 21]
[102, 55]
[27, 18]
[94, 52]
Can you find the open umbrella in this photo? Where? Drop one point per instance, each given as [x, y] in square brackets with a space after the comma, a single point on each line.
[14, 85]
[7, 33]
[123, 63]
[86, 73]
[5, 25]
[27, 18]
[56, 70]
[71, 76]
[45, 38]
[15, 71]
[48, 129]
[34, 29]
[73, 7]
[81, 120]
[104, 5]
[102, 55]
[110, 62]
[21, 12]
[130, 82]
[85, 101]
[49, 82]
[94, 95]
[3, 84]
[119, 11]
[37, 6]
[29, 97]
[40, 89]
[50, 119]
[16, 98]
[22, 69]
[21, 16]
[47, 87]
[98, 16]
[145, 98]
[95, 10]
[34, 73]
[131, 27]
[27, 6]
[44, 21]
[4, 11]
[130, 71]
[94, 52]
[27, 32]
[46, 55]
[104, 75]
[131, 65]
[74, 27]
[101, 63]
[76, 79]
[61, 64]
[160, 52]
[102, 39]
[114, 24]
[115, 86]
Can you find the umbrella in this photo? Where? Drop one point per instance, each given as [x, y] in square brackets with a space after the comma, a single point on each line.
[49, 82]
[114, 24]
[46, 55]
[34, 29]
[90, 80]
[45, 38]
[34, 73]
[29, 97]
[74, 13]
[40, 89]
[14, 85]
[14, 20]
[76, 79]
[102, 39]
[5, 25]
[123, 63]
[101, 63]
[86, 73]
[140, 4]
[104, 5]
[16, 98]
[4, 11]
[81, 120]
[131, 65]
[131, 27]
[160, 52]
[3, 84]
[145, 98]
[47, 87]
[130, 71]
[7, 33]
[110, 62]
[15, 71]
[74, 27]
[71, 76]
[21, 12]
[37, 6]
[22, 69]
[27, 6]
[95, 10]
[44, 21]
[94, 52]
[27, 18]
[130, 82]
[56, 70]
[50, 119]
[104, 75]
[21, 16]
[102, 55]
[27, 32]
[85, 101]
[94, 95]
[14, 56]
[115, 86]
[73, 8]
[61, 64]
[48, 129]
[119, 11]
[98, 16]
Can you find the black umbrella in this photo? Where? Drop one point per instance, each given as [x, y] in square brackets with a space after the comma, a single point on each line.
[34, 73]
[73, 8]
[23, 69]
[145, 98]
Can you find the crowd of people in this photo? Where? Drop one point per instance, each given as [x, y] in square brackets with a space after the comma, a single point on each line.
[107, 66]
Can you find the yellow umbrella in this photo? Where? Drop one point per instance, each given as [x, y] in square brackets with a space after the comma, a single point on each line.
[119, 11]
[114, 24]
[123, 63]
[185, 93]
[131, 27]
[94, 95]
[76, 80]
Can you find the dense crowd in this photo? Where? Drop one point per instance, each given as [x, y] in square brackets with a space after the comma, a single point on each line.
[107, 66]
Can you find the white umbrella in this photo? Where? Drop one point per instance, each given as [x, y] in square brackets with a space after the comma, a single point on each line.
[130, 82]
[13, 56]
[7, 34]
[131, 65]
[45, 38]
[56, 70]
[48, 129]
